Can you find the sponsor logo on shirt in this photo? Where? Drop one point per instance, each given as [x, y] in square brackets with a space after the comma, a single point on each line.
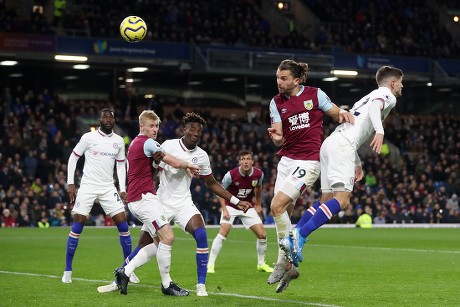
[299, 121]
[242, 193]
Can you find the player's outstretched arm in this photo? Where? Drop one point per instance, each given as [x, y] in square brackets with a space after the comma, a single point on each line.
[177, 163]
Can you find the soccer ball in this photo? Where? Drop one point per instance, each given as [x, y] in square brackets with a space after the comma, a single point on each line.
[133, 29]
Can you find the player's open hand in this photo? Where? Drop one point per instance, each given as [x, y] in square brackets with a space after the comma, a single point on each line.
[359, 173]
[123, 196]
[244, 205]
[226, 214]
[274, 135]
[377, 142]
[193, 170]
[158, 156]
[72, 191]
[346, 117]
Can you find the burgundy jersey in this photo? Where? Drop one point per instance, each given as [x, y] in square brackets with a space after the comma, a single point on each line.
[140, 170]
[302, 124]
[240, 185]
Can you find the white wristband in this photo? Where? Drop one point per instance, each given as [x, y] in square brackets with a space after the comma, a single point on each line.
[234, 200]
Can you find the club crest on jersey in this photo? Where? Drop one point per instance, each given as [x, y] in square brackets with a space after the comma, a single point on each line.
[254, 183]
[308, 104]
[194, 160]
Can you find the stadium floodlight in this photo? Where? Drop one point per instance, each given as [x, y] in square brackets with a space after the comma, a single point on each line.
[138, 69]
[70, 58]
[80, 66]
[330, 79]
[8, 63]
[340, 72]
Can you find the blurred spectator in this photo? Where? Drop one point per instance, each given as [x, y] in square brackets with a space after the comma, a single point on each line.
[43, 222]
[8, 220]
[380, 218]
[365, 219]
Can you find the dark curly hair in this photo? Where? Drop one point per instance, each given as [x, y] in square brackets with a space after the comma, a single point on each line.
[192, 117]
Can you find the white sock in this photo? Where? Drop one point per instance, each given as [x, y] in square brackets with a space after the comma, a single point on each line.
[143, 256]
[261, 249]
[164, 263]
[283, 226]
[215, 248]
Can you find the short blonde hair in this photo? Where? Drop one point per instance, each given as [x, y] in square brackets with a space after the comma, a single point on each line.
[148, 114]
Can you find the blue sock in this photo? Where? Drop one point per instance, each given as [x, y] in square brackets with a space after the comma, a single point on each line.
[323, 214]
[131, 256]
[72, 243]
[308, 214]
[202, 254]
[125, 239]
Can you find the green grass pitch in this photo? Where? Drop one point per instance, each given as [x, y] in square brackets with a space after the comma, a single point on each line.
[342, 267]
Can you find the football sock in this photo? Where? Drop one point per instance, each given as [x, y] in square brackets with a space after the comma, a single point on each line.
[72, 243]
[261, 250]
[215, 248]
[143, 256]
[202, 254]
[324, 213]
[164, 263]
[308, 214]
[131, 256]
[125, 238]
[283, 226]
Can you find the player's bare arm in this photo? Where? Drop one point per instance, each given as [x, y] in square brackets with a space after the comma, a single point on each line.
[258, 195]
[177, 163]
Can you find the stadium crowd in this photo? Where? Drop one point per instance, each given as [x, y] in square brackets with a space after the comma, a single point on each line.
[419, 184]
[403, 27]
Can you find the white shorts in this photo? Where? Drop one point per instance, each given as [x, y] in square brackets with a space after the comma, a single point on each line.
[180, 215]
[108, 198]
[150, 212]
[337, 164]
[249, 219]
[294, 176]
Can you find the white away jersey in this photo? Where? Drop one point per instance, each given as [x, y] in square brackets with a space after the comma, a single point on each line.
[175, 183]
[381, 99]
[101, 151]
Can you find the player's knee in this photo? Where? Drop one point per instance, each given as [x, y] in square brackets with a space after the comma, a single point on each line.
[276, 208]
[166, 235]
